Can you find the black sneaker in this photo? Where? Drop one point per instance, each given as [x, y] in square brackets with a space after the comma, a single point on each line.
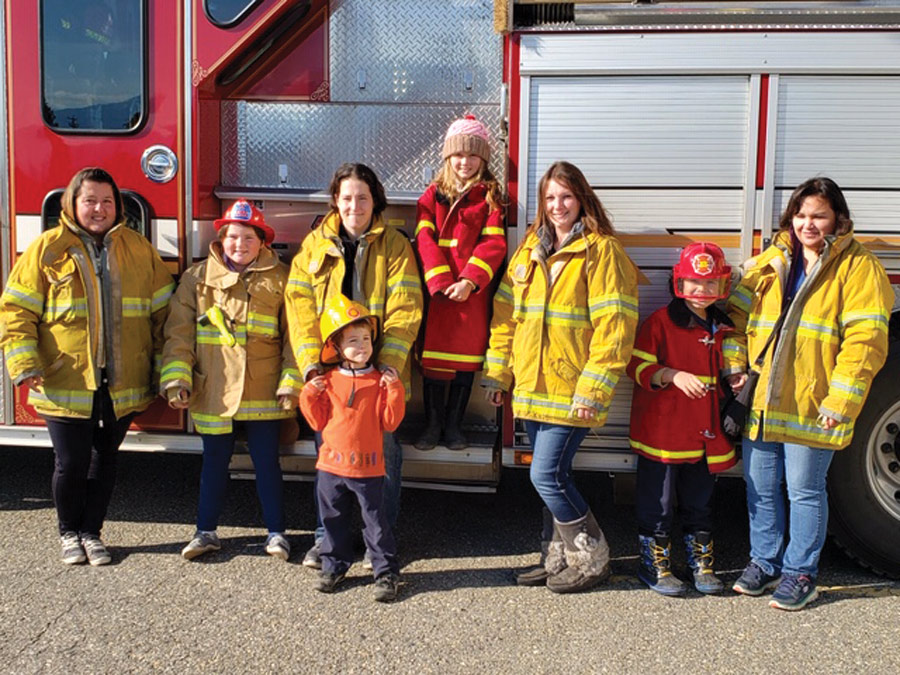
[386, 587]
[72, 551]
[327, 581]
[754, 581]
[794, 592]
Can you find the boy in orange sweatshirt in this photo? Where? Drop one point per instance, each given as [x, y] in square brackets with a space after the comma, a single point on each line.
[352, 405]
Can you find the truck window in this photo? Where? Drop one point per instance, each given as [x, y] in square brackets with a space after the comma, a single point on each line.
[92, 65]
[227, 13]
[137, 212]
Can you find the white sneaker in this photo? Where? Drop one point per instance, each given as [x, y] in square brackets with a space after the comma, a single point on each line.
[278, 546]
[203, 542]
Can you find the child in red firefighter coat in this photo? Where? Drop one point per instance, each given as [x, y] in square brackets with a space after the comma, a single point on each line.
[675, 420]
[461, 244]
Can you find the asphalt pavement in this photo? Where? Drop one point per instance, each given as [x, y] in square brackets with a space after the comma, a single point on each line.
[459, 612]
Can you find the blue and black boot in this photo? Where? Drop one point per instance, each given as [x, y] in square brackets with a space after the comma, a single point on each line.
[699, 548]
[655, 569]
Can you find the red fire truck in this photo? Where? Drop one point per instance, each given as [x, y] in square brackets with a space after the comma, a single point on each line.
[691, 119]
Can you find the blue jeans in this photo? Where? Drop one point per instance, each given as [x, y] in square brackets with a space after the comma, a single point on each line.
[262, 439]
[553, 451]
[767, 468]
[393, 469]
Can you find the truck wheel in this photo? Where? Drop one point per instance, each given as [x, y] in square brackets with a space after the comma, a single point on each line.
[864, 480]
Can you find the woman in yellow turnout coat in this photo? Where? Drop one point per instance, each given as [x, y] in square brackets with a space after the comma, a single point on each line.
[813, 382]
[81, 324]
[228, 360]
[564, 323]
[355, 253]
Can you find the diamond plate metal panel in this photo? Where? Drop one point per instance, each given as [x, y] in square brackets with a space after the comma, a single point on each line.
[400, 142]
[438, 51]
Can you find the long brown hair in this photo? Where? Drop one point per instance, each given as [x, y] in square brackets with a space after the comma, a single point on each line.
[828, 190]
[97, 175]
[593, 216]
[446, 184]
[367, 176]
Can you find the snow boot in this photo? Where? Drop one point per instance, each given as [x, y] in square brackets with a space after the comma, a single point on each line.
[586, 556]
[655, 568]
[700, 559]
[553, 561]
[456, 409]
[433, 394]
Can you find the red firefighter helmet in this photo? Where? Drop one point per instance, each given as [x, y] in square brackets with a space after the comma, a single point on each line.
[243, 212]
[702, 261]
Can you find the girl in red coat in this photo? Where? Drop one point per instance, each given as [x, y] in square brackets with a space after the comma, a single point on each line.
[675, 421]
[461, 244]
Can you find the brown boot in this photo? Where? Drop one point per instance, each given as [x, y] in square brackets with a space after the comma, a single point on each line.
[586, 554]
[552, 561]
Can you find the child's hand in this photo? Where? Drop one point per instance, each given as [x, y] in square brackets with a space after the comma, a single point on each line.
[737, 381]
[317, 383]
[494, 397]
[179, 399]
[389, 376]
[287, 402]
[583, 412]
[459, 292]
[690, 384]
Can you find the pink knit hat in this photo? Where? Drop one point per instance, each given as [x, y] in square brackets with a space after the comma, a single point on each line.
[467, 135]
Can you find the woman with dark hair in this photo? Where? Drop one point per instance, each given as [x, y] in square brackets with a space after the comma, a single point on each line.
[564, 322]
[832, 299]
[81, 324]
[355, 253]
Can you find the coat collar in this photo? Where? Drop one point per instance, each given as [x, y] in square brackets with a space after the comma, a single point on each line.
[218, 274]
[683, 317]
[67, 233]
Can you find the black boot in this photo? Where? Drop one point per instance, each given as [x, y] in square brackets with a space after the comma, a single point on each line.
[433, 393]
[552, 558]
[456, 408]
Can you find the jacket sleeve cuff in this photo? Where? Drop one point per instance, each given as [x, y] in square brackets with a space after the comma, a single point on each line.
[492, 384]
[829, 411]
[646, 372]
[439, 282]
[590, 403]
[24, 376]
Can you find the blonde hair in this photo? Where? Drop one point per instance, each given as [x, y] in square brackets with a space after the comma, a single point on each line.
[446, 184]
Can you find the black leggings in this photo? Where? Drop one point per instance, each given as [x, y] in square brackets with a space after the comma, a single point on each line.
[84, 472]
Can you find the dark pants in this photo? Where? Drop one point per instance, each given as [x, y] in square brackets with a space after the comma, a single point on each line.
[334, 496]
[262, 441]
[84, 472]
[659, 484]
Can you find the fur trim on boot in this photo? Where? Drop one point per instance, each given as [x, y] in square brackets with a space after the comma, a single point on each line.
[586, 554]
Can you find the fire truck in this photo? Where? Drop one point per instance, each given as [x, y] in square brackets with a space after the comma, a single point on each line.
[691, 119]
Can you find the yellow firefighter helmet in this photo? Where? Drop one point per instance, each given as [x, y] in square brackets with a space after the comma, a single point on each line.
[339, 313]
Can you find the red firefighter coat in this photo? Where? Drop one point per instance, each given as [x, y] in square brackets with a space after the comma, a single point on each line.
[666, 425]
[464, 239]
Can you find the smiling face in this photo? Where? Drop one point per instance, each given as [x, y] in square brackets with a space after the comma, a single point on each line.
[355, 344]
[561, 206]
[701, 293]
[465, 166]
[355, 204]
[95, 207]
[813, 221]
[241, 244]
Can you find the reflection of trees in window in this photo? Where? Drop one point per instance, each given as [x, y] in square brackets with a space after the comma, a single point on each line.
[92, 64]
[227, 12]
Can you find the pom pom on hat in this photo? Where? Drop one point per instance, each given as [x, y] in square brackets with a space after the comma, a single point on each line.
[469, 136]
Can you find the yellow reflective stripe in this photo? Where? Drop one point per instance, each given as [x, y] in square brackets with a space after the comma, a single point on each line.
[721, 459]
[488, 231]
[161, 297]
[176, 370]
[646, 356]
[425, 224]
[290, 377]
[494, 358]
[399, 281]
[733, 350]
[613, 303]
[394, 345]
[448, 242]
[21, 350]
[262, 409]
[872, 315]
[16, 294]
[805, 428]
[434, 271]
[210, 335]
[478, 262]
[303, 288]
[605, 379]
[129, 397]
[665, 454]
[706, 379]
[136, 307]
[504, 293]
[211, 424]
[640, 369]
[848, 388]
[758, 321]
[741, 297]
[818, 330]
[262, 324]
[447, 356]
[78, 400]
[57, 308]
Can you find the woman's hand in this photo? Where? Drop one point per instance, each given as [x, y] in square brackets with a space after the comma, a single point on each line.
[287, 402]
[494, 397]
[389, 376]
[690, 384]
[583, 412]
[33, 382]
[460, 291]
[825, 422]
[737, 382]
[180, 399]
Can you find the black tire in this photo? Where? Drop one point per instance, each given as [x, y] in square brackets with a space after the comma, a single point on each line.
[864, 491]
